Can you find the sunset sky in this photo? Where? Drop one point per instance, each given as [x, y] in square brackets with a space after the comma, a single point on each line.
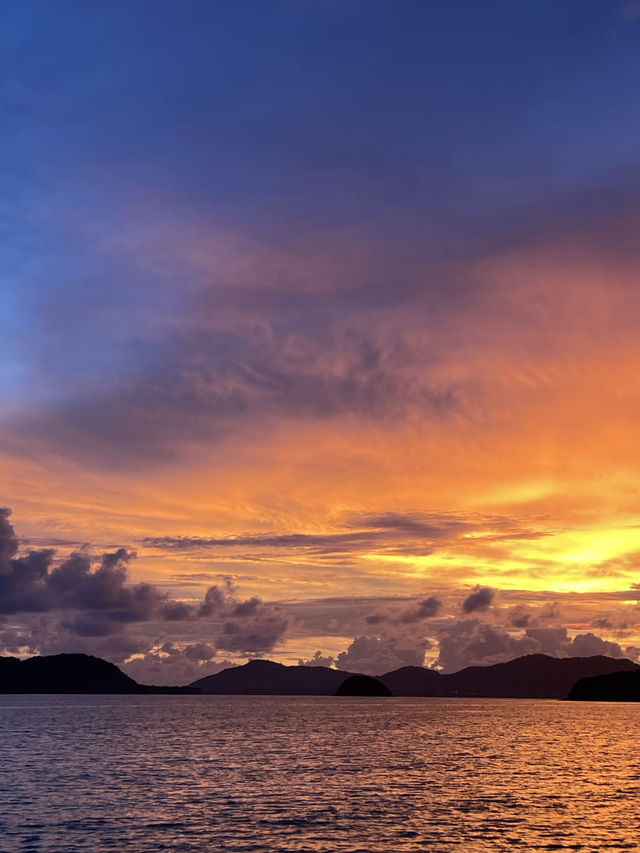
[328, 314]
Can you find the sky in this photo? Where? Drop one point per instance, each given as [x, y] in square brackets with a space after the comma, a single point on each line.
[319, 332]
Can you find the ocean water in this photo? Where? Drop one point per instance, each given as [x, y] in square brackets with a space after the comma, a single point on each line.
[147, 773]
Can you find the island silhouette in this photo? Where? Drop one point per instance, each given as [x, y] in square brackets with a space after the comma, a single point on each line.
[362, 685]
[610, 687]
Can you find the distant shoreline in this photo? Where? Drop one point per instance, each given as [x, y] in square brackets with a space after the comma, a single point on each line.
[528, 677]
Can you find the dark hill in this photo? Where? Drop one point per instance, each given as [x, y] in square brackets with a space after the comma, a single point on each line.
[532, 676]
[362, 685]
[71, 673]
[612, 687]
[268, 678]
[415, 681]
[528, 677]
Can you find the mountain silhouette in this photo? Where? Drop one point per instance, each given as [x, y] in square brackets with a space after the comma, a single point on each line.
[612, 687]
[71, 673]
[528, 677]
[269, 678]
[531, 676]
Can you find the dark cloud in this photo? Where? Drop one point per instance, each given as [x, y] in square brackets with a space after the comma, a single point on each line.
[376, 618]
[215, 599]
[521, 616]
[261, 631]
[47, 634]
[585, 645]
[425, 609]
[472, 642]
[633, 653]
[32, 583]
[549, 640]
[556, 642]
[96, 603]
[170, 663]
[195, 652]
[247, 608]
[8, 541]
[377, 655]
[248, 626]
[351, 615]
[619, 620]
[479, 599]
[318, 660]
[176, 611]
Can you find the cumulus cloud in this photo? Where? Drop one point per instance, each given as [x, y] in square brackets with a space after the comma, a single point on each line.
[479, 599]
[32, 583]
[633, 653]
[556, 642]
[471, 642]
[549, 640]
[171, 663]
[375, 655]
[245, 626]
[318, 660]
[46, 634]
[90, 603]
[262, 632]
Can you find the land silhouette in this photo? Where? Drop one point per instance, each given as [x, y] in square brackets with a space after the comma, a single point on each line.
[362, 685]
[610, 687]
[71, 673]
[270, 678]
[528, 677]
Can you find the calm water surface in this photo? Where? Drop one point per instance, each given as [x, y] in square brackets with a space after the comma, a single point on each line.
[145, 773]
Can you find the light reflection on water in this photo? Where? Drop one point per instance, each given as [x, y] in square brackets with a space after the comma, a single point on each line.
[147, 773]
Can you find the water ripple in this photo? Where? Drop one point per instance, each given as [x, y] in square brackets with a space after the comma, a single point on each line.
[190, 773]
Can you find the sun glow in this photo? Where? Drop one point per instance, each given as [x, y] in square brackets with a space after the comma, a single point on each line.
[577, 560]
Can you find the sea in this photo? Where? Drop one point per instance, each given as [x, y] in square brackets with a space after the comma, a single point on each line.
[282, 773]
